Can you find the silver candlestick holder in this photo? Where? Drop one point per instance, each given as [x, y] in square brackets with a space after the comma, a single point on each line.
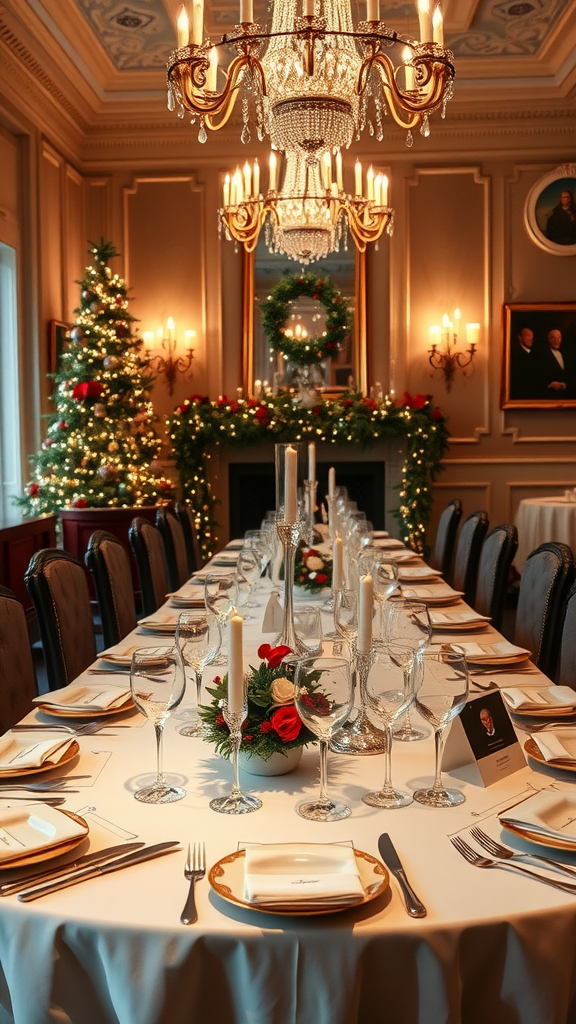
[360, 736]
[311, 535]
[236, 802]
[289, 535]
[332, 533]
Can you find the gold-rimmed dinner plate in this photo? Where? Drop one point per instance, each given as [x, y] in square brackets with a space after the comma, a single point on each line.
[48, 852]
[533, 751]
[542, 711]
[460, 627]
[552, 842]
[68, 755]
[227, 880]
[488, 661]
[76, 712]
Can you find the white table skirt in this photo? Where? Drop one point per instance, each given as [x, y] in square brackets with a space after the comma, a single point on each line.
[539, 520]
[494, 947]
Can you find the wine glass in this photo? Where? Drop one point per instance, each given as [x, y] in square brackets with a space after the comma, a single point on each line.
[220, 597]
[408, 622]
[323, 699]
[250, 568]
[198, 638]
[346, 615]
[308, 625]
[389, 692]
[157, 684]
[441, 695]
[385, 581]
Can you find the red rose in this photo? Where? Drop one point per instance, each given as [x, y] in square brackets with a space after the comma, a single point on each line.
[33, 490]
[287, 723]
[234, 405]
[88, 389]
[312, 551]
[246, 739]
[181, 409]
[315, 295]
[347, 403]
[80, 503]
[437, 414]
[220, 719]
[217, 680]
[262, 416]
[266, 727]
[199, 399]
[252, 403]
[369, 403]
[419, 401]
[273, 655]
[321, 578]
[406, 398]
[223, 400]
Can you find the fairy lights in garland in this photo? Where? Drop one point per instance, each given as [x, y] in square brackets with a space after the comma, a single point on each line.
[198, 423]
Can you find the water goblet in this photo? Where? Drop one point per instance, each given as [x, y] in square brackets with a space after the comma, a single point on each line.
[157, 684]
[220, 597]
[346, 615]
[198, 638]
[308, 625]
[408, 622]
[385, 581]
[389, 692]
[236, 802]
[441, 695]
[323, 699]
[250, 568]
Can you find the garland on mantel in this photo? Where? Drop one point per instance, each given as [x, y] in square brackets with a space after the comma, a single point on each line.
[198, 423]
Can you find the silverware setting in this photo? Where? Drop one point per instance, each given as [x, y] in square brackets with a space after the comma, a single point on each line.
[82, 730]
[478, 861]
[100, 857]
[497, 850]
[414, 906]
[108, 671]
[195, 869]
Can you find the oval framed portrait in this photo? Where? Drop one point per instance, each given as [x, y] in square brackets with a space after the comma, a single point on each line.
[550, 211]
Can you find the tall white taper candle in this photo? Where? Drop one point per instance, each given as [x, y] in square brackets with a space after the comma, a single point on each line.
[235, 664]
[291, 485]
[311, 461]
[365, 614]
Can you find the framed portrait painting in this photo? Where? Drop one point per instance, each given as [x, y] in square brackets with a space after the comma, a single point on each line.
[539, 356]
[550, 211]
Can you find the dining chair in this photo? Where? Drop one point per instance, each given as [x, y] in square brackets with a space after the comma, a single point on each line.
[172, 533]
[566, 674]
[18, 684]
[467, 556]
[496, 558]
[444, 541]
[185, 514]
[58, 589]
[546, 578]
[109, 563]
[148, 547]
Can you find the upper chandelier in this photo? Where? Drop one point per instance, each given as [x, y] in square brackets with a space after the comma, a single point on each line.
[312, 82]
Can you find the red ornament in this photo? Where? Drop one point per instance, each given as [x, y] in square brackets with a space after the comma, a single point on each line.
[262, 416]
[437, 414]
[62, 425]
[33, 490]
[80, 503]
[88, 389]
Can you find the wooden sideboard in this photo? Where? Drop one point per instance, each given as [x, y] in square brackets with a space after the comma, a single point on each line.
[20, 538]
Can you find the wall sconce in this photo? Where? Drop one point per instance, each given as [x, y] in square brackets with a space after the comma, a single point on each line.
[443, 342]
[168, 365]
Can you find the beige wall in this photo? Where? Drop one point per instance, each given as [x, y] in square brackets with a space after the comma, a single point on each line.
[459, 240]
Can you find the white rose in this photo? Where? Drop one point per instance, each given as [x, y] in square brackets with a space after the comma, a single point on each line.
[282, 691]
[314, 563]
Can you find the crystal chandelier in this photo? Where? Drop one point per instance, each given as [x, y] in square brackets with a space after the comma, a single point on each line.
[311, 214]
[312, 82]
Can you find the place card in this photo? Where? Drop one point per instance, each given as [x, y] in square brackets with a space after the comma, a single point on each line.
[483, 737]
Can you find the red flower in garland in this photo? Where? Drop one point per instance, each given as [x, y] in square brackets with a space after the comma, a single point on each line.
[234, 405]
[369, 403]
[33, 490]
[220, 719]
[266, 727]
[321, 578]
[347, 403]
[287, 723]
[316, 410]
[80, 503]
[273, 655]
[62, 425]
[262, 416]
[223, 400]
[437, 414]
[419, 401]
[88, 389]
[252, 403]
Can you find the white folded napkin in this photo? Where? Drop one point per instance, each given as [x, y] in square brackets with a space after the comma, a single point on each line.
[120, 654]
[84, 698]
[456, 618]
[234, 545]
[417, 572]
[539, 697]
[555, 747]
[16, 753]
[436, 592]
[302, 874]
[35, 827]
[549, 813]
[489, 652]
[160, 620]
[387, 543]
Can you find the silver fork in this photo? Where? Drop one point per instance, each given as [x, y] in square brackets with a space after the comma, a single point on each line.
[81, 730]
[497, 850]
[195, 869]
[484, 862]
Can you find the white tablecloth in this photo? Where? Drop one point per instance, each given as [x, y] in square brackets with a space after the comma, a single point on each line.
[539, 520]
[494, 947]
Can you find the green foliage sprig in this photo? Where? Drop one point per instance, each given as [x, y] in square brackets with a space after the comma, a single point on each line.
[275, 311]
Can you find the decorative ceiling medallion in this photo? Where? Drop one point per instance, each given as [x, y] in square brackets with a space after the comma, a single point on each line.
[129, 18]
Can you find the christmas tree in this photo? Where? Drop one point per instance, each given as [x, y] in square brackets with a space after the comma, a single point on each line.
[101, 439]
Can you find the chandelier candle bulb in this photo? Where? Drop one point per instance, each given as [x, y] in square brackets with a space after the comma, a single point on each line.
[327, 171]
[256, 178]
[197, 22]
[311, 461]
[273, 171]
[235, 665]
[370, 184]
[212, 73]
[409, 72]
[378, 190]
[226, 191]
[358, 178]
[438, 26]
[246, 12]
[365, 614]
[291, 485]
[339, 177]
[384, 190]
[247, 176]
[331, 482]
[183, 26]
[309, 8]
[373, 10]
[337, 564]
[472, 334]
[426, 31]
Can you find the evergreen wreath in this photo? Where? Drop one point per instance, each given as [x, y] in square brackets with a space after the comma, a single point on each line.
[276, 310]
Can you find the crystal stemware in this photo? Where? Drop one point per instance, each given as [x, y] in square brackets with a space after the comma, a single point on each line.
[385, 581]
[323, 699]
[390, 692]
[408, 622]
[441, 695]
[157, 684]
[220, 597]
[236, 802]
[198, 638]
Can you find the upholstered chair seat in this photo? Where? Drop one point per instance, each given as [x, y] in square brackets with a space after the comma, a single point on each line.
[58, 590]
[546, 578]
[148, 548]
[472, 534]
[17, 677]
[172, 534]
[445, 537]
[109, 564]
[496, 558]
[185, 515]
[566, 675]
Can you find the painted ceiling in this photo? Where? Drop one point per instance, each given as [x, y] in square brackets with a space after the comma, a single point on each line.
[138, 34]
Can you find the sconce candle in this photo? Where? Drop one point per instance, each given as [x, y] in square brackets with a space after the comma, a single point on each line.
[256, 178]
[331, 482]
[358, 178]
[246, 12]
[472, 334]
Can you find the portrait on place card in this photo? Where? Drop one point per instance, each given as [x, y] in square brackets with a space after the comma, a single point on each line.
[487, 725]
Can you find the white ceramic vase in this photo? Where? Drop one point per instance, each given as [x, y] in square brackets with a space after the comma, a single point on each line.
[276, 764]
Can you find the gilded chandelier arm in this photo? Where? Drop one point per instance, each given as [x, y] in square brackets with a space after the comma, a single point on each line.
[425, 98]
[189, 76]
[367, 226]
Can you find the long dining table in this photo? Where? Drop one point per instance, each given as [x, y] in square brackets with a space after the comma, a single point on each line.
[494, 946]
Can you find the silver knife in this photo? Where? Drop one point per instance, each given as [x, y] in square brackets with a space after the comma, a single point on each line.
[414, 906]
[92, 871]
[97, 857]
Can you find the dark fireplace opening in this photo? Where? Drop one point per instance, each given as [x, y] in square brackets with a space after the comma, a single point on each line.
[252, 491]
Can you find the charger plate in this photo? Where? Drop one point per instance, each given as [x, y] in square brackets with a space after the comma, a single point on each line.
[541, 840]
[51, 851]
[533, 751]
[547, 711]
[67, 756]
[49, 709]
[227, 880]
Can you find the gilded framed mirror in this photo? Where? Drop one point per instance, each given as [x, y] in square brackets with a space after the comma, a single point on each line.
[260, 272]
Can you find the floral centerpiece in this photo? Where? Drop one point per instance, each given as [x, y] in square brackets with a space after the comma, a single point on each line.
[273, 724]
[312, 570]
